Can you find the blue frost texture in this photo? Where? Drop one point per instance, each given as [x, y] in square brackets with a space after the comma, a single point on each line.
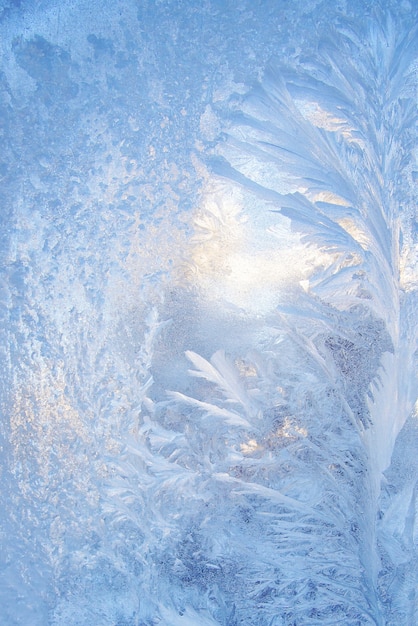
[208, 313]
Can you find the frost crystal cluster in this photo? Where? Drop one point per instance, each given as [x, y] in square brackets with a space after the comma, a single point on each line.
[208, 313]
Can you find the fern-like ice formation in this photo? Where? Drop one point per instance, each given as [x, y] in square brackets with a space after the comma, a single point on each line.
[207, 409]
[297, 440]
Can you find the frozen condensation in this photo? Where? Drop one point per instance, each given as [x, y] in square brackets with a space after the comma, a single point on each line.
[208, 309]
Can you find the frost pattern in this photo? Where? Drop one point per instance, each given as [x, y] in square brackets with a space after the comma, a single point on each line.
[208, 314]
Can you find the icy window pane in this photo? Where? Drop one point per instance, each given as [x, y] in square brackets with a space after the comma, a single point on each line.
[208, 308]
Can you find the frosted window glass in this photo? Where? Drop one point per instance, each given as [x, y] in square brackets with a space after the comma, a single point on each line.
[208, 313]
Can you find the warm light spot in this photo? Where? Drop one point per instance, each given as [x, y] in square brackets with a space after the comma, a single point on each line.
[328, 196]
[250, 447]
[235, 259]
[355, 231]
[314, 113]
[245, 369]
[291, 430]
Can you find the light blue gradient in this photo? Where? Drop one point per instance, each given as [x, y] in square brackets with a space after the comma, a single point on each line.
[208, 313]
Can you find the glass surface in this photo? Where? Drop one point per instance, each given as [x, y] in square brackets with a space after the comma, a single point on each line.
[208, 313]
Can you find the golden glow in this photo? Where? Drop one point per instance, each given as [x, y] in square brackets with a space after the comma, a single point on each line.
[250, 447]
[319, 117]
[235, 259]
[291, 430]
[355, 231]
[45, 426]
[327, 196]
[288, 432]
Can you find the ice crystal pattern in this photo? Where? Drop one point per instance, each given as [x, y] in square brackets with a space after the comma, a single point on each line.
[175, 461]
